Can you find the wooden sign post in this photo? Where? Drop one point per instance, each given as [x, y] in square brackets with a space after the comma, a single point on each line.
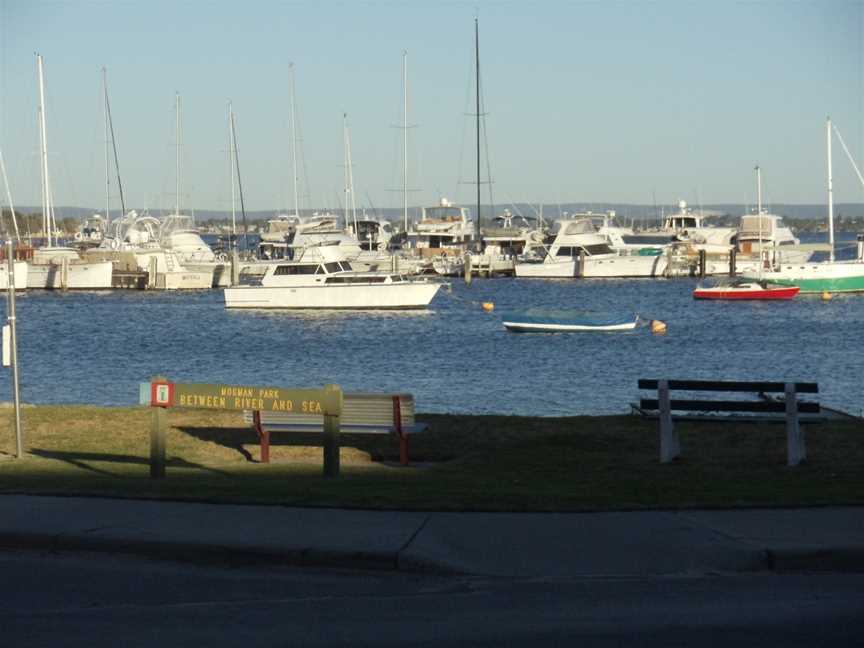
[164, 394]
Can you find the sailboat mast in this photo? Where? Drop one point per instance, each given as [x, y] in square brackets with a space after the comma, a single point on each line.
[477, 97]
[177, 188]
[233, 123]
[231, 166]
[405, 140]
[759, 212]
[110, 127]
[293, 139]
[349, 177]
[830, 195]
[107, 168]
[43, 138]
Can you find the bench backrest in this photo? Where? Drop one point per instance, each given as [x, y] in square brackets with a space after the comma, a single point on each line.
[760, 406]
[731, 386]
[359, 410]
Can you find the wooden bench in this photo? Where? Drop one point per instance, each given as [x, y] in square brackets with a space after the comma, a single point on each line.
[670, 447]
[361, 414]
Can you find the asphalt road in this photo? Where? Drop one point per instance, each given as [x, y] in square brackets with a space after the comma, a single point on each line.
[103, 600]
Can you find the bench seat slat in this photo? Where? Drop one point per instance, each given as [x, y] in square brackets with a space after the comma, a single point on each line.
[731, 386]
[729, 405]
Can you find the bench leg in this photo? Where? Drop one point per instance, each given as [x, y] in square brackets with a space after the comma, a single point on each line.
[397, 425]
[263, 437]
[670, 447]
[796, 450]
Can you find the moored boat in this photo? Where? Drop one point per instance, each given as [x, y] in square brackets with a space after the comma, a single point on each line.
[746, 290]
[320, 278]
[569, 323]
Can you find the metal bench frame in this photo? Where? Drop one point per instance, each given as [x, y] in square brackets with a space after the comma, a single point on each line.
[670, 445]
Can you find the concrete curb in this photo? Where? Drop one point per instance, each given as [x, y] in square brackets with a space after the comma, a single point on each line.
[202, 553]
[830, 559]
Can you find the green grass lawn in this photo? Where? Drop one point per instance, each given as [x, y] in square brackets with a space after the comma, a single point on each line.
[461, 463]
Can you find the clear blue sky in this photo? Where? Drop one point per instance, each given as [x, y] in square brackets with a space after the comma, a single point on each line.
[586, 101]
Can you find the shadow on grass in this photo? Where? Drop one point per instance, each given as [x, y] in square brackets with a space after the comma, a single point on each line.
[380, 447]
[80, 459]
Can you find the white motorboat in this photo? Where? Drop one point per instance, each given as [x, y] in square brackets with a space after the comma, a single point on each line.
[579, 251]
[322, 279]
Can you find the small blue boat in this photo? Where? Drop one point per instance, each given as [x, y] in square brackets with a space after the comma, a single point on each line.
[562, 322]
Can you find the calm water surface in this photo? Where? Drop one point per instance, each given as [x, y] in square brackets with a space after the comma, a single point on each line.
[96, 347]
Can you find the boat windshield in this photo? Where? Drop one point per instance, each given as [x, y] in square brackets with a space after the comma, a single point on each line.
[590, 250]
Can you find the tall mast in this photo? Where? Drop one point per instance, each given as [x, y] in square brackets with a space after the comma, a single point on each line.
[405, 140]
[107, 168]
[477, 84]
[110, 129]
[233, 123]
[47, 208]
[177, 189]
[349, 176]
[293, 139]
[231, 148]
[759, 212]
[830, 195]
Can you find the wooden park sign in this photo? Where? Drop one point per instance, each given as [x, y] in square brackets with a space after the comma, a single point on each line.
[164, 394]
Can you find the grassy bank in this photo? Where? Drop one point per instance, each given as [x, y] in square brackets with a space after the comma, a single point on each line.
[462, 463]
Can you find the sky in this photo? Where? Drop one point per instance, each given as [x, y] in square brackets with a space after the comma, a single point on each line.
[629, 102]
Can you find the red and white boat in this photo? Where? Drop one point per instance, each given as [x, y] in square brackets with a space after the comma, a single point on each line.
[746, 290]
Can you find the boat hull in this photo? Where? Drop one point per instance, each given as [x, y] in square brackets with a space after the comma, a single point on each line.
[351, 297]
[837, 277]
[729, 293]
[562, 327]
[549, 270]
[76, 276]
[20, 275]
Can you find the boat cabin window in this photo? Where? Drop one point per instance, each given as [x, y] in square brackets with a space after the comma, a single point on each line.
[589, 250]
[346, 267]
[333, 266]
[343, 279]
[295, 269]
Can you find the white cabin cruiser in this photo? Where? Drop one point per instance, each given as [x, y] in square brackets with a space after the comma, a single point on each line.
[321, 278]
[580, 251]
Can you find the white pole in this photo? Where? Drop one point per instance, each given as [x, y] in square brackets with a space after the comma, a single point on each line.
[231, 145]
[830, 195]
[294, 140]
[11, 318]
[43, 136]
[405, 140]
[107, 169]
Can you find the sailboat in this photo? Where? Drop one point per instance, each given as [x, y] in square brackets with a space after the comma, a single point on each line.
[749, 289]
[826, 276]
[55, 266]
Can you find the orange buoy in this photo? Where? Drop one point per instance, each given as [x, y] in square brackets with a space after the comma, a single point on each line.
[658, 327]
[826, 296]
[488, 306]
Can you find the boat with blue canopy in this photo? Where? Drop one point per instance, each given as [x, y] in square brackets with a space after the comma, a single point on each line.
[564, 322]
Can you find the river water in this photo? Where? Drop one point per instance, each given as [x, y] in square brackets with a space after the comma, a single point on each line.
[95, 347]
